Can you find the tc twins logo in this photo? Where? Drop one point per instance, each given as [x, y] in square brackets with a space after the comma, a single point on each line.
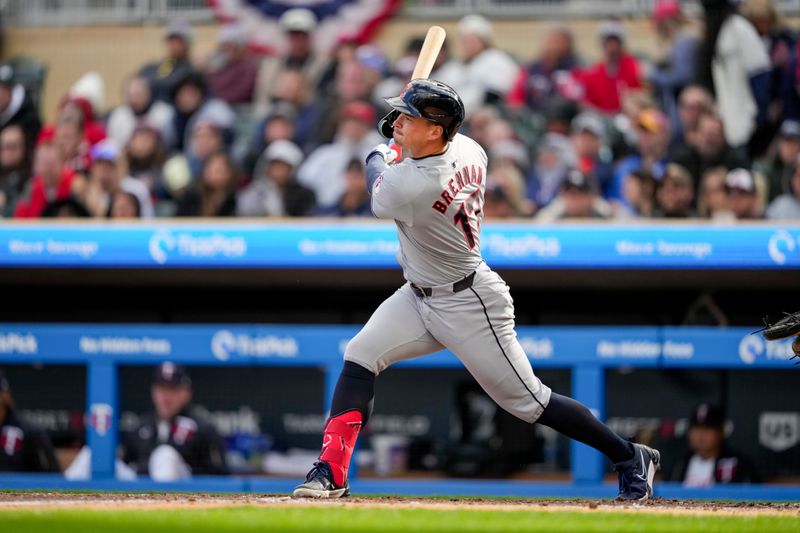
[11, 440]
[100, 417]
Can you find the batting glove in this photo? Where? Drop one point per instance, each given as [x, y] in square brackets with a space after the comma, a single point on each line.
[390, 154]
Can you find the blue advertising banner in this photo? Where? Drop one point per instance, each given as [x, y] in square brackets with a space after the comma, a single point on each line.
[306, 345]
[325, 245]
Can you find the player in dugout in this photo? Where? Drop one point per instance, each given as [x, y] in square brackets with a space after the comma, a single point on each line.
[22, 448]
[452, 298]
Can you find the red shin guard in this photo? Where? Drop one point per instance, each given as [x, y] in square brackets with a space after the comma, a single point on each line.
[338, 441]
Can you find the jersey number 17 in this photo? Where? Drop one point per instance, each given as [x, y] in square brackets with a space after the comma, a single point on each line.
[468, 211]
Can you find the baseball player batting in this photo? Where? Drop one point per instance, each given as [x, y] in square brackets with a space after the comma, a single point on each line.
[452, 299]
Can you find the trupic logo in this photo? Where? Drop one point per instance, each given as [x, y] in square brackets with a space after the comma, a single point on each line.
[100, 417]
[163, 244]
[781, 243]
[753, 347]
[22, 343]
[225, 344]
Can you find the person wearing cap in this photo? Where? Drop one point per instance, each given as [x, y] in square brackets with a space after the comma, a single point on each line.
[787, 206]
[549, 78]
[106, 178]
[17, 106]
[651, 127]
[675, 68]
[140, 108]
[710, 460]
[52, 181]
[173, 442]
[675, 194]
[743, 198]
[23, 448]
[779, 166]
[579, 198]
[693, 102]
[617, 72]
[740, 82]
[274, 191]
[231, 71]
[164, 74]
[639, 192]
[324, 168]
[589, 139]
[487, 73]
[555, 157]
[298, 25]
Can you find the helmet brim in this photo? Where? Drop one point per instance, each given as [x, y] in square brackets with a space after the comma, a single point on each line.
[397, 103]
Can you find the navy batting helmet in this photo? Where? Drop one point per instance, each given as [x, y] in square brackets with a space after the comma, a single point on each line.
[429, 99]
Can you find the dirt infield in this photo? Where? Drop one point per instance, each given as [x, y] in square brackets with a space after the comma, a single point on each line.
[100, 501]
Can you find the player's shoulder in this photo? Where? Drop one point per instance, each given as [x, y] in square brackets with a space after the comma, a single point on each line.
[462, 143]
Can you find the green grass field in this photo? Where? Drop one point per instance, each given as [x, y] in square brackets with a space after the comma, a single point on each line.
[341, 519]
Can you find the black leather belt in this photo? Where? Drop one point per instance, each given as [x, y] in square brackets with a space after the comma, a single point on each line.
[458, 286]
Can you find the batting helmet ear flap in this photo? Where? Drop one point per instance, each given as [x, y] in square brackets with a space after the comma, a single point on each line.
[385, 127]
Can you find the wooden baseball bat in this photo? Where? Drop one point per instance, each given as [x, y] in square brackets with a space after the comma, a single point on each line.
[429, 52]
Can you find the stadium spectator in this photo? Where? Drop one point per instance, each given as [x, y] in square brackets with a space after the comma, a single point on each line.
[353, 84]
[555, 157]
[779, 40]
[80, 111]
[15, 167]
[23, 448]
[231, 71]
[779, 166]
[606, 82]
[193, 103]
[710, 461]
[145, 155]
[712, 201]
[298, 25]
[743, 197]
[274, 191]
[17, 107]
[140, 109]
[787, 206]
[69, 137]
[355, 200]
[652, 145]
[589, 141]
[478, 57]
[706, 148]
[280, 124]
[124, 205]
[675, 194]
[549, 77]
[106, 178]
[323, 170]
[506, 179]
[165, 74]
[52, 181]
[693, 102]
[579, 198]
[639, 194]
[206, 138]
[733, 64]
[674, 67]
[213, 195]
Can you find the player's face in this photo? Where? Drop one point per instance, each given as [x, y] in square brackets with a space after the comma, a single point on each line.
[705, 441]
[169, 400]
[415, 133]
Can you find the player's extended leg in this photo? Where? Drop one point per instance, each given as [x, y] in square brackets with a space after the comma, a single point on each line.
[394, 332]
[487, 345]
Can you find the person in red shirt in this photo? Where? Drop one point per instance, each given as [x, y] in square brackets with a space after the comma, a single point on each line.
[52, 181]
[605, 82]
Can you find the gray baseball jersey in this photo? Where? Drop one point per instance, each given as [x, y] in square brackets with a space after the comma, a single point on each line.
[437, 204]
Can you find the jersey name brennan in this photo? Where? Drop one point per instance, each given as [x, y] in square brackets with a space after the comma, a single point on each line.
[469, 175]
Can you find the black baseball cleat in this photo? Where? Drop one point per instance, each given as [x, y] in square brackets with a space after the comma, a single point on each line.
[636, 474]
[319, 484]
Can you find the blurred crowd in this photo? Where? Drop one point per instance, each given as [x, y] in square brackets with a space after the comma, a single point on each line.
[707, 128]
